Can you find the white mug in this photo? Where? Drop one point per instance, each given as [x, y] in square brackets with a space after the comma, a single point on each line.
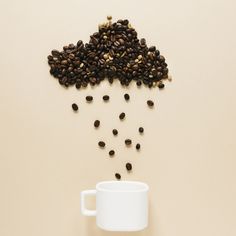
[120, 205]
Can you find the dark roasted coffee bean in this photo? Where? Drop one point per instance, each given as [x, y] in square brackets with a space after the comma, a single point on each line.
[150, 103]
[55, 53]
[105, 97]
[75, 107]
[125, 22]
[138, 146]
[128, 142]
[141, 130]
[78, 85]
[122, 116]
[152, 49]
[89, 98]
[110, 80]
[139, 83]
[128, 166]
[126, 96]
[115, 132]
[161, 86]
[111, 153]
[101, 144]
[79, 43]
[118, 176]
[96, 123]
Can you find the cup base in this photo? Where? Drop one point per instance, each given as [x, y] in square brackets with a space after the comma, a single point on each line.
[122, 229]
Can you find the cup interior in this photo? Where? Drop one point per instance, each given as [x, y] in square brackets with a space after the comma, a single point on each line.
[122, 186]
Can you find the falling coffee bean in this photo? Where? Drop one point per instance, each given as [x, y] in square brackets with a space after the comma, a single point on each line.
[141, 130]
[115, 132]
[129, 166]
[101, 144]
[96, 123]
[89, 98]
[161, 86]
[111, 153]
[138, 83]
[150, 103]
[106, 98]
[126, 96]
[122, 116]
[118, 176]
[128, 142]
[138, 146]
[75, 107]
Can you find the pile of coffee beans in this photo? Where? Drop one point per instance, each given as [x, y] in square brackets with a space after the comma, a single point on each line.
[114, 52]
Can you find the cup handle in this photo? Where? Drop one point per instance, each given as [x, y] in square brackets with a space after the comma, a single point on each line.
[84, 210]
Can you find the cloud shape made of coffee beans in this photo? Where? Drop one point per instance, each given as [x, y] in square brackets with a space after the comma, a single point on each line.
[114, 52]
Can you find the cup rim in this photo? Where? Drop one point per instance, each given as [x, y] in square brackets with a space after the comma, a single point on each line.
[144, 188]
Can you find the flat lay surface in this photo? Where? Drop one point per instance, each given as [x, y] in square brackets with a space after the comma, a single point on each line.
[49, 153]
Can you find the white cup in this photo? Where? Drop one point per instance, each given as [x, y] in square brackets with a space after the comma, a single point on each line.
[120, 205]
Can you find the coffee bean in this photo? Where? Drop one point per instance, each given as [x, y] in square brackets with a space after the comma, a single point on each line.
[128, 166]
[89, 98]
[78, 85]
[111, 153]
[109, 17]
[79, 43]
[141, 130]
[75, 107]
[152, 49]
[161, 86]
[128, 142]
[101, 144]
[55, 53]
[142, 42]
[139, 83]
[150, 103]
[126, 96]
[118, 176]
[125, 22]
[115, 132]
[122, 116]
[96, 123]
[138, 146]
[106, 97]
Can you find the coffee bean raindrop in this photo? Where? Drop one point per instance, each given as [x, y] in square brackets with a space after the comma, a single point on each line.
[150, 103]
[106, 98]
[89, 98]
[111, 153]
[128, 166]
[118, 176]
[101, 144]
[115, 132]
[75, 107]
[96, 123]
[122, 116]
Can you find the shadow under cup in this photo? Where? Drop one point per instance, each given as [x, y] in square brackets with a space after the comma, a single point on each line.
[120, 205]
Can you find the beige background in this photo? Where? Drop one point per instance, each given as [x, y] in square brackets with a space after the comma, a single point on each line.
[48, 155]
